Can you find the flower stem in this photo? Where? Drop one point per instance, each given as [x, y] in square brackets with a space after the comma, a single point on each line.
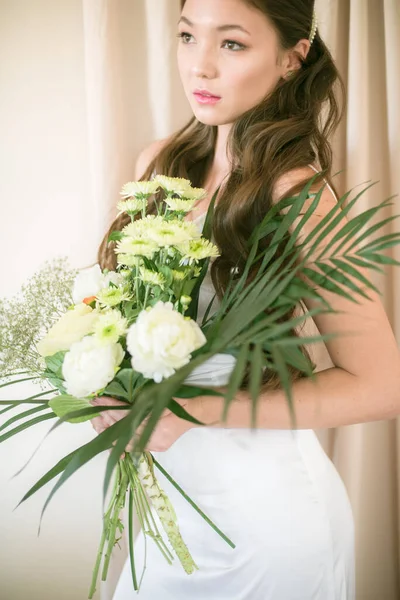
[146, 295]
[144, 507]
[131, 537]
[119, 505]
[106, 523]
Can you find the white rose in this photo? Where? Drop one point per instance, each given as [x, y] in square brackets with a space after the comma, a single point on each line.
[90, 281]
[70, 328]
[162, 341]
[90, 365]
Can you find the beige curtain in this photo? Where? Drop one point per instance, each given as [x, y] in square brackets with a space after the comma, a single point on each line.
[86, 85]
[364, 36]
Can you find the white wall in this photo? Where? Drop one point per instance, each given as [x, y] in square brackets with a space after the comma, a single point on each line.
[44, 183]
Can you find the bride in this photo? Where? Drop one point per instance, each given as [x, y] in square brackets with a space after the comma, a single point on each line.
[257, 76]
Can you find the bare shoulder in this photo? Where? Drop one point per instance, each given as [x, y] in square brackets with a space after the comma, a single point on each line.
[147, 155]
[300, 176]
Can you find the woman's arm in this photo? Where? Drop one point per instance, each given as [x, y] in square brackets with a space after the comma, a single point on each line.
[335, 398]
[364, 384]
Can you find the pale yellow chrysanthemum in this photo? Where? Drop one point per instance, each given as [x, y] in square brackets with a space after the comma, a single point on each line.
[111, 296]
[110, 326]
[139, 189]
[197, 250]
[136, 247]
[138, 228]
[191, 228]
[129, 260]
[125, 273]
[152, 278]
[179, 275]
[195, 194]
[179, 204]
[132, 205]
[173, 185]
[172, 233]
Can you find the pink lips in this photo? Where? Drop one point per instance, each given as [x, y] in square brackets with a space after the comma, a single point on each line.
[205, 97]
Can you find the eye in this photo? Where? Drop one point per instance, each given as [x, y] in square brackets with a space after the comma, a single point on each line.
[231, 43]
[185, 37]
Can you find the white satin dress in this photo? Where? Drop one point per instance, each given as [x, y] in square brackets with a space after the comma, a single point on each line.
[275, 494]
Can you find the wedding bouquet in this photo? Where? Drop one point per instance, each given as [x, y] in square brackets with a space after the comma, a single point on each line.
[132, 334]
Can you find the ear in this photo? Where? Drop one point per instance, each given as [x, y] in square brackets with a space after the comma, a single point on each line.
[291, 61]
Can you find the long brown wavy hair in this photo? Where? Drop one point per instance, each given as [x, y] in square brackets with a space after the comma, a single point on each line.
[289, 129]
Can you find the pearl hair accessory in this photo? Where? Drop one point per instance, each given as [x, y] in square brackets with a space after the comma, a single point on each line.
[313, 27]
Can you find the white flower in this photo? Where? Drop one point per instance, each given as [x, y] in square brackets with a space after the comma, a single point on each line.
[139, 188]
[70, 328]
[132, 205]
[90, 365]
[110, 326]
[112, 277]
[173, 185]
[89, 281]
[196, 250]
[162, 341]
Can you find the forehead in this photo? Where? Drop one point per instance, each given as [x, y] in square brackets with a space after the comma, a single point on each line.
[217, 15]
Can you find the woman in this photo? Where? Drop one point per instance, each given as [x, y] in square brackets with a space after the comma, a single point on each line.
[257, 75]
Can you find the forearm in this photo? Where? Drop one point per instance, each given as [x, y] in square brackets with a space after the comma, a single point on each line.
[333, 399]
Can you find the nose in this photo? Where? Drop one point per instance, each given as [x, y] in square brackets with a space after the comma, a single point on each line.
[204, 63]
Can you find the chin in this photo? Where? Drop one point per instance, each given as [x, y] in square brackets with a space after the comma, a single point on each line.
[211, 119]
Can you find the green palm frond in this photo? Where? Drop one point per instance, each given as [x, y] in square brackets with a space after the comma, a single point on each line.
[279, 285]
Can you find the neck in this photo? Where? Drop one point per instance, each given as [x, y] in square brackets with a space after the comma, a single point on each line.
[221, 162]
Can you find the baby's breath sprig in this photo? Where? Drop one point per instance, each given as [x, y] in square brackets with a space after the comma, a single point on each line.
[26, 317]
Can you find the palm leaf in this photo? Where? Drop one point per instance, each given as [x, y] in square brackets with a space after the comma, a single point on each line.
[117, 431]
[19, 380]
[22, 415]
[285, 381]
[323, 281]
[363, 264]
[378, 258]
[26, 425]
[327, 223]
[353, 225]
[180, 412]
[368, 232]
[53, 472]
[346, 268]
[236, 378]
[256, 372]
[335, 274]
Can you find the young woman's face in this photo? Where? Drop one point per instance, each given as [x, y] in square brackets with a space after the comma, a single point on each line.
[229, 50]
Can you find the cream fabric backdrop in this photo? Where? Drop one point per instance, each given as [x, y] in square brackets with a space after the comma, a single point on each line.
[85, 86]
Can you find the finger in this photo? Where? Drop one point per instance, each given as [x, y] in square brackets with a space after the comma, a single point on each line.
[97, 424]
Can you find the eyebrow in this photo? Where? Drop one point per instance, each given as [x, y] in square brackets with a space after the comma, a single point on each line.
[220, 28]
